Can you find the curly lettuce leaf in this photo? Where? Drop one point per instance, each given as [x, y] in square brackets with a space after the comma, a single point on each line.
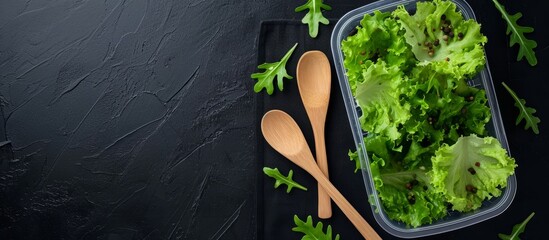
[525, 113]
[461, 44]
[398, 53]
[312, 232]
[407, 195]
[272, 70]
[470, 171]
[516, 32]
[314, 16]
[441, 113]
[378, 38]
[443, 108]
[379, 98]
[381, 146]
[475, 114]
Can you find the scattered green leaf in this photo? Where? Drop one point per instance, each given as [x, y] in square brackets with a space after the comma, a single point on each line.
[517, 35]
[526, 113]
[311, 232]
[314, 16]
[281, 179]
[278, 69]
[517, 229]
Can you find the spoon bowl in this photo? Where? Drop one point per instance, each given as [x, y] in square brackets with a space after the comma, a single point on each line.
[284, 135]
[284, 140]
[314, 79]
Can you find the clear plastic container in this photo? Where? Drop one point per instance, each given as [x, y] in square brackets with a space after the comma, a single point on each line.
[483, 80]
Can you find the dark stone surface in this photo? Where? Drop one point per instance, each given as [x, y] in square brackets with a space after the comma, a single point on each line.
[136, 119]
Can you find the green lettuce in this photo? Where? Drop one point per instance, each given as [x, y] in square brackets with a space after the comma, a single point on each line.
[437, 32]
[379, 98]
[442, 108]
[471, 170]
[378, 38]
[416, 105]
[407, 195]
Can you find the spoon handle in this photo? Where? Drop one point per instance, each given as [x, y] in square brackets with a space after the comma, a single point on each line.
[352, 214]
[324, 201]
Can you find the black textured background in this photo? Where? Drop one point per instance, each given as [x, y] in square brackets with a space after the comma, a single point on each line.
[136, 119]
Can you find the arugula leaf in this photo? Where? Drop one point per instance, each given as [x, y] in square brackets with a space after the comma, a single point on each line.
[281, 179]
[526, 113]
[314, 16]
[278, 69]
[517, 35]
[517, 229]
[311, 232]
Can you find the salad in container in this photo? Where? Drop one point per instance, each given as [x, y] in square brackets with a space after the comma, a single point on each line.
[424, 115]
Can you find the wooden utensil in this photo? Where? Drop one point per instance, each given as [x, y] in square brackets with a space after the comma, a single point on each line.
[284, 135]
[314, 80]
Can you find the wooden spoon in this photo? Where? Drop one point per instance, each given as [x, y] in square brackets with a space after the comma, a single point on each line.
[314, 80]
[284, 135]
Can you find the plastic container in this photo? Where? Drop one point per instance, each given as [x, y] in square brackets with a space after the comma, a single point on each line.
[454, 220]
